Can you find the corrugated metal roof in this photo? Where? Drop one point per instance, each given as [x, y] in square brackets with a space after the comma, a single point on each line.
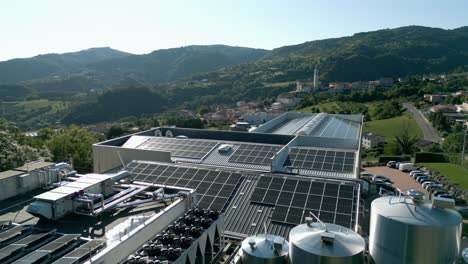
[290, 126]
[243, 218]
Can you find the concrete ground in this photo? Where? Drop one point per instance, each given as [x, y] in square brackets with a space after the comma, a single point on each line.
[402, 180]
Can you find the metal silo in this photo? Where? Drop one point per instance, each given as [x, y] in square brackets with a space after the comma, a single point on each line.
[266, 249]
[325, 244]
[409, 229]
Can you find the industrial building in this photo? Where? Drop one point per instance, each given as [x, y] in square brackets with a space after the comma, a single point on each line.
[285, 192]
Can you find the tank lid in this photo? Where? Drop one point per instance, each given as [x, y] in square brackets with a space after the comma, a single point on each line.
[265, 246]
[421, 213]
[326, 239]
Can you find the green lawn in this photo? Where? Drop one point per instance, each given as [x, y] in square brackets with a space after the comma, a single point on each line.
[455, 173]
[389, 128]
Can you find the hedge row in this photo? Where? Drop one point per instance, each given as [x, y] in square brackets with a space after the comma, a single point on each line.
[384, 159]
[430, 157]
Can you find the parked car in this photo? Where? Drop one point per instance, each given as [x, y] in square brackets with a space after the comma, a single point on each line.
[397, 165]
[414, 171]
[387, 187]
[381, 178]
[463, 211]
[421, 178]
[436, 188]
[433, 186]
[407, 166]
[439, 192]
[416, 175]
[367, 176]
[427, 183]
[391, 164]
[448, 196]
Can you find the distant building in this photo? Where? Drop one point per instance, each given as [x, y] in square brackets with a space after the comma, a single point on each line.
[359, 85]
[240, 126]
[463, 108]
[435, 98]
[371, 140]
[308, 86]
[443, 108]
[288, 100]
[339, 86]
[454, 117]
[385, 83]
[461, 92]
[257, 119]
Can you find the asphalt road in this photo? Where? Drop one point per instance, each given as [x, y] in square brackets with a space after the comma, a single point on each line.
[430, 134]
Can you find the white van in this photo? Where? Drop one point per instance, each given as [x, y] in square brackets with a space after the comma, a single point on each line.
[407, 167]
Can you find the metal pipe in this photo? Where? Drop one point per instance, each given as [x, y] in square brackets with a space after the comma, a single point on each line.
[120, 175]
[63, 165]
[166, 197]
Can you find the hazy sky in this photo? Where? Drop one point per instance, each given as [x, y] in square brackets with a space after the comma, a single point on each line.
[31, 27]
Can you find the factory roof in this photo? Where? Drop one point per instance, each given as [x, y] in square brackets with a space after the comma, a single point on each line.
[9, 173]
[253, 200]
[326, 149]
[320, 125]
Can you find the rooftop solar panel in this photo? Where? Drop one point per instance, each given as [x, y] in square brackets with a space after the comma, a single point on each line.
[213, 187]
[254, 154]
[84, 250]
[325, 160]
[294, 198]
[179, 147]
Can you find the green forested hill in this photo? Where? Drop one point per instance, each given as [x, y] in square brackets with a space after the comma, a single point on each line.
[49, 65]
[366, 56]
[112, 66]
[170, 64]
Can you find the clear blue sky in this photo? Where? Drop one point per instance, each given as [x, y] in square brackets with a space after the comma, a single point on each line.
[31, 27]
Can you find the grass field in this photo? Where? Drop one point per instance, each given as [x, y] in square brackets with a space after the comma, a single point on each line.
[389, 128]
[455, 173]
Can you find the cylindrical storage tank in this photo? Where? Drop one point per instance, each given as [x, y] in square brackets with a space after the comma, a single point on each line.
[409, 229]
[325, 244]
[264, 249]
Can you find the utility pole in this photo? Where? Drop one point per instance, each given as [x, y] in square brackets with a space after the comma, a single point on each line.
[463, 147]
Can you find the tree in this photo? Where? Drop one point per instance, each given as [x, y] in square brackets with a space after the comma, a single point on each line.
[115, 131]
[454, 143]
[73, 143]
[406, 143]
[13, 150]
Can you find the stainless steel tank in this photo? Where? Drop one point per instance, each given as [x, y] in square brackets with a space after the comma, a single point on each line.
[266, 249]
[409, 229]
[325, 244]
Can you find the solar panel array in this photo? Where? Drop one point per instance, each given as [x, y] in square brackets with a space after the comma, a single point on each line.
[326, 160]
[295, 198]
[255, 154]
[212, 186]
[180, 147]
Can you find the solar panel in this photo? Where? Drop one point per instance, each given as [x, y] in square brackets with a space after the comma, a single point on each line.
[254, 154]
[180, 147]
[82, 252]
[214, 188]
[325, 160]
[294, 198]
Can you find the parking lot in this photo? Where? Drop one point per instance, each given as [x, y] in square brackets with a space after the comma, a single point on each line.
[402, 180]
